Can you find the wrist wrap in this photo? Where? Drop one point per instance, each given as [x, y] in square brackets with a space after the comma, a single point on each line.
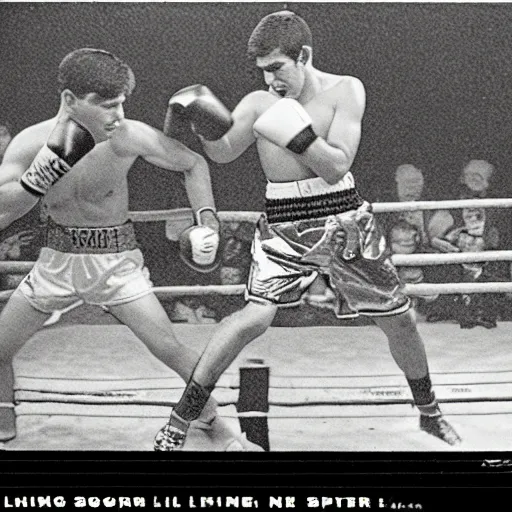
[302, 140]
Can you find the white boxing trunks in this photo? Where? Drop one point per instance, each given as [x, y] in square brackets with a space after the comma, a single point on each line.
[102, 266]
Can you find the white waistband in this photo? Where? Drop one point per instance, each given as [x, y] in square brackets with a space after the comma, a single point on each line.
[307, 188]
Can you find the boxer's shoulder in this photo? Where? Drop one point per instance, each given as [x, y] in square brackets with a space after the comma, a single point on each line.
[347, 87]
[30, 140]
[342, 92]
[341, 85]
[37, 133]
[132, 137]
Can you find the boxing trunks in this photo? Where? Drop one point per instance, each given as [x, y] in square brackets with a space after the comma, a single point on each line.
[101, 266]
[311, 227]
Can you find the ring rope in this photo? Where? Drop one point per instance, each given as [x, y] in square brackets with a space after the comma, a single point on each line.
[413, 206]
[406, 206]
[411, 260]
[400, 260]
[409, 289]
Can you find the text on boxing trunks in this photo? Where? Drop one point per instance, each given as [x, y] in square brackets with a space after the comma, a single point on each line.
[98, 238]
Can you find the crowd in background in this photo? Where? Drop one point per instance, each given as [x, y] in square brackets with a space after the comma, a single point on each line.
[450, 231]
[426, 231]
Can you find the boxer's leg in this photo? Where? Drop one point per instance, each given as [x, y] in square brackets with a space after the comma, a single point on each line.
[405, 343]
[408, 351]
[270, 284]
[372, 287]
[233, 334]
[149, 321]
[19, 321]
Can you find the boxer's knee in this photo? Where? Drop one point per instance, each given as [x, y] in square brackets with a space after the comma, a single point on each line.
[253, 320]
[402, 325]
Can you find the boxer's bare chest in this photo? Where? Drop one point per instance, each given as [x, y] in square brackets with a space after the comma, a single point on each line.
[94, 192]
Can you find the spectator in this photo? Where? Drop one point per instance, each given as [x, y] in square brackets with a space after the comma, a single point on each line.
[11, 249]
[410, 186]
[474, 183]
[404, 238]
[236, 253]
[476, 177]
[236, 260]
[192, 310]
[473, 233]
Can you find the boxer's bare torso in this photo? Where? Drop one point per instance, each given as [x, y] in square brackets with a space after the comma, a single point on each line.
[95, 191]
[333, 99]
[280, 165]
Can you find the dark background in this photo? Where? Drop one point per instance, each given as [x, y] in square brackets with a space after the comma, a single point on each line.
[437, 80]
[437, 77]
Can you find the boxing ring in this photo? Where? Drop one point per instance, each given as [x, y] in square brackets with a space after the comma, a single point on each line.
[87, 383]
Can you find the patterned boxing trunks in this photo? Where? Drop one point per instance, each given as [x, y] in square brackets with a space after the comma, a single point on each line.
[311, 228]
[102, 266]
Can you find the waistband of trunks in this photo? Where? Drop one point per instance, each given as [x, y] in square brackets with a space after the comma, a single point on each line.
[312, 207]
[89, 240]
[308, 187]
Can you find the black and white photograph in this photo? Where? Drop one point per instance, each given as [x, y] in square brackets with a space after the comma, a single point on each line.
[244, 230]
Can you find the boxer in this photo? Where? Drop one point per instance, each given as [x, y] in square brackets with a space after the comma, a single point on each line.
[79, 162]
[307, 128]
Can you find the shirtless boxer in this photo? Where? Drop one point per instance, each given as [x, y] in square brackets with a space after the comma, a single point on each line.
[307, 129]
[79, 161]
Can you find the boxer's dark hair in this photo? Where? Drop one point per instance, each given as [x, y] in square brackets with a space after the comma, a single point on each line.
[284, 30]
[89, 70]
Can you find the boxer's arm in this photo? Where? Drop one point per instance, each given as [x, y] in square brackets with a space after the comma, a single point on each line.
[15, 201]
[332, 158]
[158, 149]
[241, 135]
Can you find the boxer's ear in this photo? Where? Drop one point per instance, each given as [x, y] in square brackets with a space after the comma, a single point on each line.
[68, 97]
[305, 55]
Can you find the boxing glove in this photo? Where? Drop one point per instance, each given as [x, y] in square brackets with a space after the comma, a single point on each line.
[287, 125]
[199, 244]
[177, 124]
[67, 144]
[196, 104]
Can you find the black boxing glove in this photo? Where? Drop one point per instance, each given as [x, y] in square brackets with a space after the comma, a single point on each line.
[67, 144]
[207, 116]
[177, 123]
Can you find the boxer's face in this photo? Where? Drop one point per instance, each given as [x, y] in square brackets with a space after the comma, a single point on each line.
[99, 115]
[281, 73]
